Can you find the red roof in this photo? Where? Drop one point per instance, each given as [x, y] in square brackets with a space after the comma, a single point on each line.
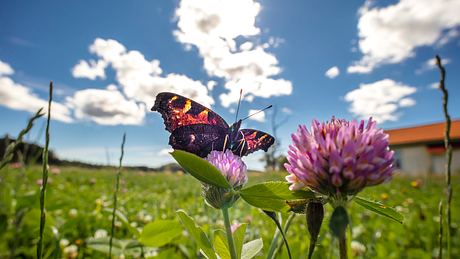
[423, 134]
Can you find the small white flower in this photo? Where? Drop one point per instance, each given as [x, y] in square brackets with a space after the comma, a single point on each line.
[100, 233]
[64, 242]
[357, 248]
[73, 213]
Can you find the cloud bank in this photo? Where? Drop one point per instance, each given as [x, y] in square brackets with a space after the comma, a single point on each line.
[390, 34]
[19, 97]
[380, 100]
[213, 26]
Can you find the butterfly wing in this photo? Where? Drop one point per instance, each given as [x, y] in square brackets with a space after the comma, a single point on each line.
[178, 111]
[199, 139]
[249, 140]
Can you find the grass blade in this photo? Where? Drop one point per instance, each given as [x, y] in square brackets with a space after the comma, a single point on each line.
[45, 168]
[448, 148]
[115, 194]
[11, 148]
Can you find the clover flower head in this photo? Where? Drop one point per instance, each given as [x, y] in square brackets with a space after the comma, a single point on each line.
[230, 165]
[234, 170]
[339, 157]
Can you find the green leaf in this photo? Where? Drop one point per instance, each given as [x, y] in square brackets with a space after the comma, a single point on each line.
[128, 247]
[339, 221]
[273, 196]
[102, 245]
[380, 209]
[238, 238]
[200, 168]
[197, 234]
[252, 248]
[221, 244]
[160, 232]
[124, 220]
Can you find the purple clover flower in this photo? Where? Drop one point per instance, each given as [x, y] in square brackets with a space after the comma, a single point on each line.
[234, 170]
[339, 157]
[230, 165]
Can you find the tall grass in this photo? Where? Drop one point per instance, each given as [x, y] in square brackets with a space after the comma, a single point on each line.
[45, 168]
[448, 147]
[9, 152]
[115, 194]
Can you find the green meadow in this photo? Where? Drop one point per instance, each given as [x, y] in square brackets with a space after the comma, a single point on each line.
[79, 204]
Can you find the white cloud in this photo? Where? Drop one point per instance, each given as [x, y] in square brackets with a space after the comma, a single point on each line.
[380, 100]
[90, 70]
[431, 64]
[391, 34]
[406, 102]
[165, 152]
[332, 72]
[434, 85]
[258, 116]
[19, 97]
[260, 87]
[453, 33]
[213, 26]
[106, 107]
[286, 110]
[211, 84]
[140, 81]
[5, 69]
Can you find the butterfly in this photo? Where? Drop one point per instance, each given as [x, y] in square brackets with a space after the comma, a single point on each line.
[198, 130]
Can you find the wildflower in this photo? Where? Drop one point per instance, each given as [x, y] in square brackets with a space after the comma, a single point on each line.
[100, 233]
[70, 251]
[235, 226]
[339, 157]
[416, 183]
[15, 165]
[384, 196]
[73, 213]
[357, 248]
[234, 170]
[55, 170]
[63, 243]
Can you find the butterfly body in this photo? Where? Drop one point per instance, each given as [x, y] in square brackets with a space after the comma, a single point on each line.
[197, 129]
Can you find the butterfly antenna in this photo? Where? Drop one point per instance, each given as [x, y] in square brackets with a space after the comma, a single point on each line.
[238, 108]
[266, 108]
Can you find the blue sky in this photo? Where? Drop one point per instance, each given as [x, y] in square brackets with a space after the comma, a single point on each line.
[310, 59]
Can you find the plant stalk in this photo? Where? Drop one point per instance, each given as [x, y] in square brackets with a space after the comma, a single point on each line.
[228, 229]
[440, 230]
[45, 168]
[448, 148]
[115, 194]
[285, 230]
[343, 246]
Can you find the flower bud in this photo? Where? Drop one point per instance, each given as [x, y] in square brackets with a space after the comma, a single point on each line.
[234, 170]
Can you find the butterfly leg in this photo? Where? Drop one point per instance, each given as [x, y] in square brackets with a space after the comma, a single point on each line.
[225, 143]
[243, 142]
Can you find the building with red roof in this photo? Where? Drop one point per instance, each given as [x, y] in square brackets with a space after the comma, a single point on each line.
[420, 149]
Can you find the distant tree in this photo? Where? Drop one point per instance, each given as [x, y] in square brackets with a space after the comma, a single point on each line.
[271, 157]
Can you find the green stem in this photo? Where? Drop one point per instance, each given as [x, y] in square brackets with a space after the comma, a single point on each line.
[285, 229]
[274, 243]
[44, 177]
[228, 229]
[448, 147]
[115, 194]
[343, 246]
[440, 230]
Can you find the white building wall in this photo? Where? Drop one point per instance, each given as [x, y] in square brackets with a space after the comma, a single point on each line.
[438, 162]
[415, 160]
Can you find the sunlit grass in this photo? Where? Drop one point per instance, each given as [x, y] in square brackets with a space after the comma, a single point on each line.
[76, 199]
